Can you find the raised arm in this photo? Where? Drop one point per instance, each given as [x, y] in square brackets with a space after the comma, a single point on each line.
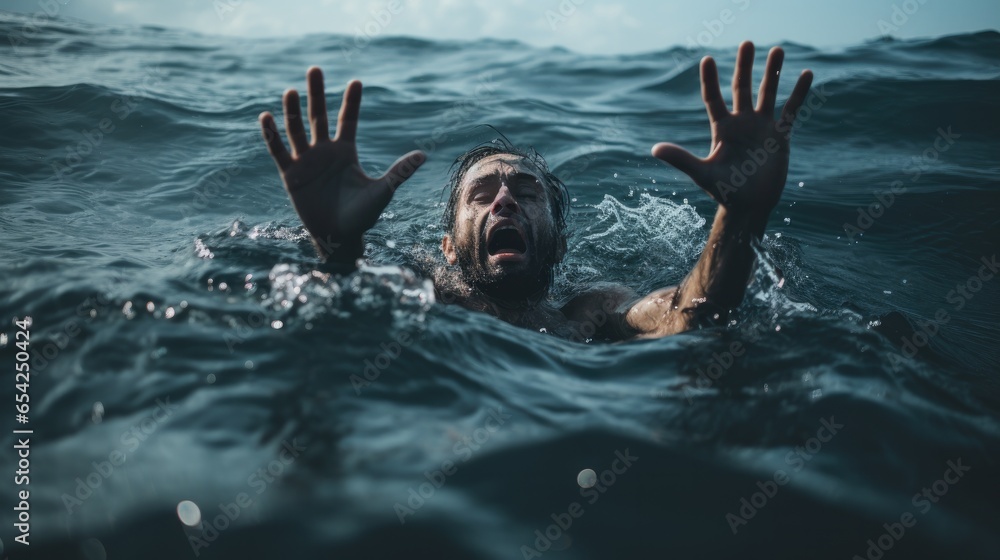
[333, 196]
[748, 140]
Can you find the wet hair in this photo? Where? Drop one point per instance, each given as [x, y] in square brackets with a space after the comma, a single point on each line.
[556, 189]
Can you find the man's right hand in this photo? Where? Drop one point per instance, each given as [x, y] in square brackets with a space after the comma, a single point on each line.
[333, 196]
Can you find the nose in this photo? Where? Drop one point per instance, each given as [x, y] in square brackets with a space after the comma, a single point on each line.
[504, 204]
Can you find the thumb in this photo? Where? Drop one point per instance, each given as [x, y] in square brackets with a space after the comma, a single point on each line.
[688, 163]
[402, 170]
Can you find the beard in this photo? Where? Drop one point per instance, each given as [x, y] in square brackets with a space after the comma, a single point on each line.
[514, 282]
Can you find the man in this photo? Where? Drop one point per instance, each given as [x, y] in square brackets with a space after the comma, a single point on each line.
[506, 211]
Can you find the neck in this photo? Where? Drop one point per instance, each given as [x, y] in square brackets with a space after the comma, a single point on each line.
[452, 288]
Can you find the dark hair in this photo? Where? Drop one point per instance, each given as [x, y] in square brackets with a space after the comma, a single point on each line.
[558, 193]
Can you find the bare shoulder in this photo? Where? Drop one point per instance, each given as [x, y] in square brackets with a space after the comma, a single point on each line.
[601, 309]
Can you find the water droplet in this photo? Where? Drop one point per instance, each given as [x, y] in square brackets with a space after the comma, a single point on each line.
[128, 311]
[777, 329]
[802, 183]
[543, 330]
[3, 340]
[788, 220]
[248, 364]
[169, 313]
[97, 413]
[390, 243]
[150, 306]
[887, 292]
[777, 235]
[277, 324]
[189, 513]
[685, 201]
[587, 478]
[210, 378]
[616, 175]
[904, 280]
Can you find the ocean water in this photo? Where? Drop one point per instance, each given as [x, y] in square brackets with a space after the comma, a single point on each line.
[200, 387]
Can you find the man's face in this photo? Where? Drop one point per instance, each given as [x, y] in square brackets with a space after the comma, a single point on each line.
[505, 239]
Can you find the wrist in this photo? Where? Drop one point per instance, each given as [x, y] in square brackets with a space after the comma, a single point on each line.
[749, 220]
[339, 251]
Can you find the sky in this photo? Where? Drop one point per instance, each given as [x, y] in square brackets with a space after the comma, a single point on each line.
[588, 26]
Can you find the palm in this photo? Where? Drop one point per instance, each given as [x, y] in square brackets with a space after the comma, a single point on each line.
[333, 196]
[748, 163]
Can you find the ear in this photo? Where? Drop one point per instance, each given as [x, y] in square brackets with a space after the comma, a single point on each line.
[448, 249]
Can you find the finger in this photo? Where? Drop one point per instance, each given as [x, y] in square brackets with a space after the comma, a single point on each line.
[797, 98]
[743, 78]
[347, 120]
[769, 84]
[272, 137]
[688, 163]
[317, 105]
[402, 170]
[293, 123]
[711, 93]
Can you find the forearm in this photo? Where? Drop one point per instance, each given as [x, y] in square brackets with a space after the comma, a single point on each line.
[718, 281]
[715, 285]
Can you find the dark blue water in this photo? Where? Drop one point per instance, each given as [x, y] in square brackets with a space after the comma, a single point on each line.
[200, 387]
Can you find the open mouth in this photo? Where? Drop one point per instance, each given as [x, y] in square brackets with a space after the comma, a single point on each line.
[506, 240]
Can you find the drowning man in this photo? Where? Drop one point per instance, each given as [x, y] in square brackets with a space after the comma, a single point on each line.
[505, 218]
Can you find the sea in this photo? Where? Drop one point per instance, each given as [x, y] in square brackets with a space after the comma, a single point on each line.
[200, 386]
